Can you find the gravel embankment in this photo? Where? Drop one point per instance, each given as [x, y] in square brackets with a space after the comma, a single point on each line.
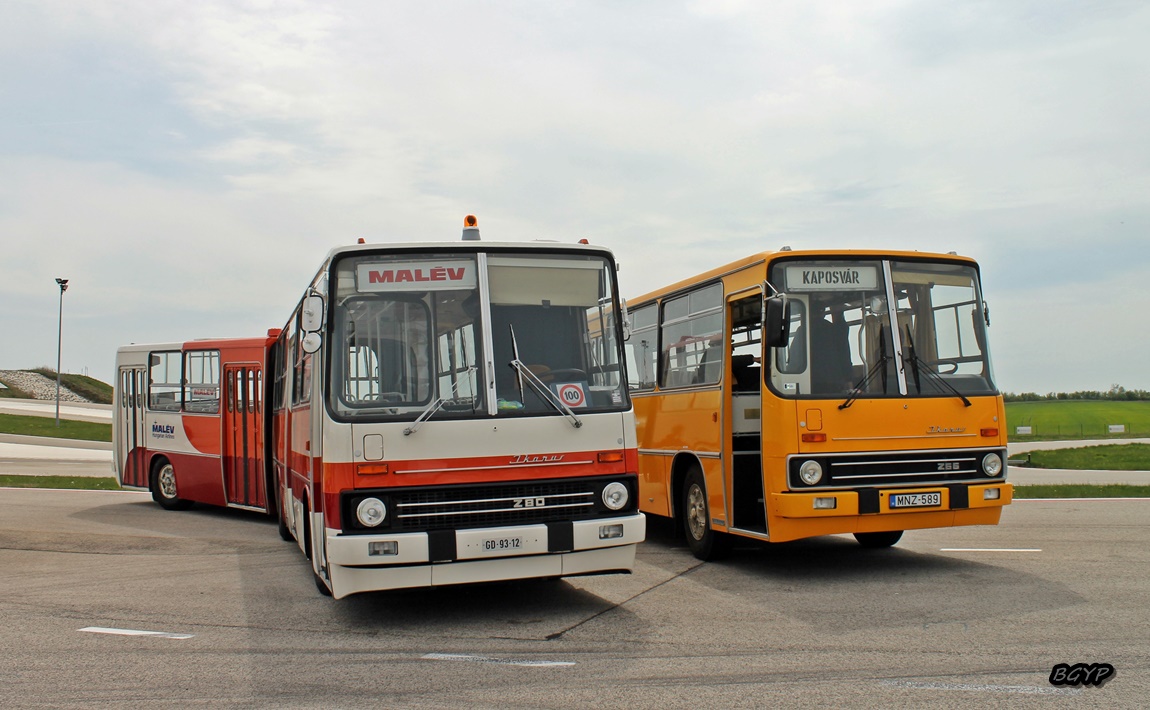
[38, 386]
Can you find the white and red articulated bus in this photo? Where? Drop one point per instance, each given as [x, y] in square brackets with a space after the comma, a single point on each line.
[452, 412]
[191, 419]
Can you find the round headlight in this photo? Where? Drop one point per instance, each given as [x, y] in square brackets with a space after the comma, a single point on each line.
[616, 496]
[992, 464]
[371, 512]
[811, 472]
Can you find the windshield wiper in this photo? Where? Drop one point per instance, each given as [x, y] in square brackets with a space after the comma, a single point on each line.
[430, 410]
[916, 362]
[541, 388]
[878, 367]
[545, 392]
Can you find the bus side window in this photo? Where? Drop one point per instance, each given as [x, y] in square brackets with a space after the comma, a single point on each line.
[165, 390]
[692, 325]
[643, 348]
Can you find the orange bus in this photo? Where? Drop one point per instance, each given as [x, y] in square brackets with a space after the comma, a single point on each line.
[792, 394]
[190, 419]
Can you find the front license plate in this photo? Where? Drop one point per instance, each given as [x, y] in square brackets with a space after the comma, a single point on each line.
[496, 545]
[501, 542]
[916, 500]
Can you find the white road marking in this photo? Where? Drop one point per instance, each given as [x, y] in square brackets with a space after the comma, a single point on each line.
[485, 659]
[1023, 689]
[135, 632]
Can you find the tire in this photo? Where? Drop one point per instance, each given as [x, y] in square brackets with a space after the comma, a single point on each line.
[163, 485]
[876, 540]
[309, 553]
[320, 584]
[284, 530]
[705, 543]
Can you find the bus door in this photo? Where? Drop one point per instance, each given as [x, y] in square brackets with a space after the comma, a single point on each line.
[243, 436]
[132, 453]
[742, 396]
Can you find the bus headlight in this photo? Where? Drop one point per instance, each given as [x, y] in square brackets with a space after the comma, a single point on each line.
[371, 512]
[811, 472]
[616, 496]
[992, 464]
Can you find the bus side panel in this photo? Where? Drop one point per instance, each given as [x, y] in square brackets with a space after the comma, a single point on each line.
[177, 438]
[197, 477]
[654, 484]
[202, 432]
[686, 421]
[780, 438]
[654, 467]
[678, 422]
[298, 450]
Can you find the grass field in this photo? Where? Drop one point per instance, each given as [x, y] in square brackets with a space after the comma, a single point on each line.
[1110, 457]
[1077, 419]
[46, 426]
[1081, 491]
[11, 392]
[86, 483]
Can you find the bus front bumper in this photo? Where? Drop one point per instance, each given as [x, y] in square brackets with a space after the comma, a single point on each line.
[892, 501]
[359, 563]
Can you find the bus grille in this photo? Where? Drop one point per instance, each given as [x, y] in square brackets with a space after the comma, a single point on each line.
[915, 468]
[492, 506]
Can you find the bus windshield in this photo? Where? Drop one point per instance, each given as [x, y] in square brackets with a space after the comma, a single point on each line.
[423, 335]
[841, 342]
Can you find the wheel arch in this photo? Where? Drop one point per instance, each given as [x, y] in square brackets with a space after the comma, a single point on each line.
[680, 465]
[155, 461]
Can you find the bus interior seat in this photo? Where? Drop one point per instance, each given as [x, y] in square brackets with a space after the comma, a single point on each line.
[745, 373]
[709, 366]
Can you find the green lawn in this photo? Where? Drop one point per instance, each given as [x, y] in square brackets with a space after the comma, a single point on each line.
[1081, 491]
[46, 426]
[1109, 457]
[1077, 419]
[87, 483]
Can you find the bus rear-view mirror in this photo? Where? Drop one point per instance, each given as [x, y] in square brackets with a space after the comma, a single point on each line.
[776, 321]
[311, 315]
[311, 343]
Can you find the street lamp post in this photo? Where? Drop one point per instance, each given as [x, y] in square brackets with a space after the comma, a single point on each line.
[63, 283]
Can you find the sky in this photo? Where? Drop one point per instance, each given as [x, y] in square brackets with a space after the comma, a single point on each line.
[188, 165]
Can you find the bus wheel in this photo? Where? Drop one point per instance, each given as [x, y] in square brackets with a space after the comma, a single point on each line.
[705, 543]
[876, 540]
[284, 530]
[320, 585]
[163, 485]
[310, 554]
